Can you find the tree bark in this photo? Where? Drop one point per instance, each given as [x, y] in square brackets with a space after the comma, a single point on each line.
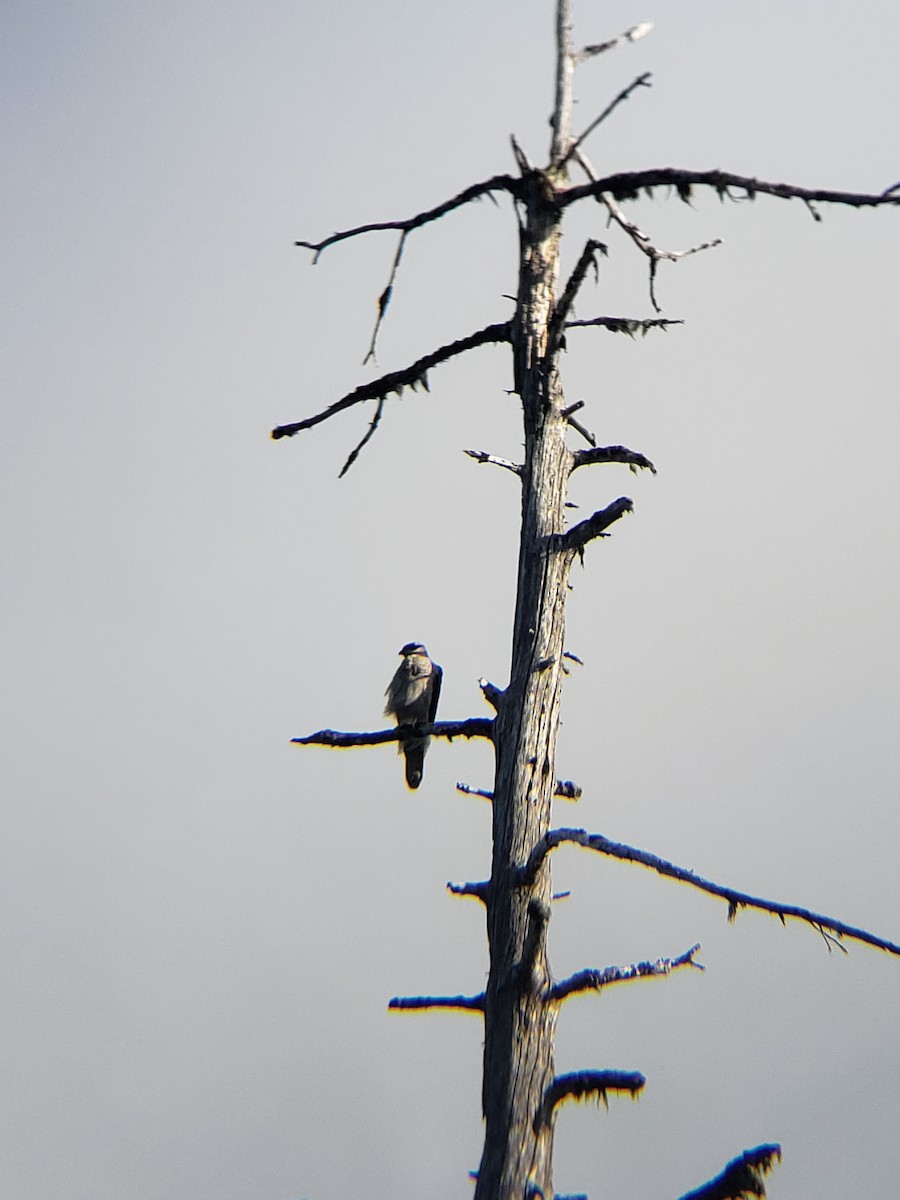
[520, 1019]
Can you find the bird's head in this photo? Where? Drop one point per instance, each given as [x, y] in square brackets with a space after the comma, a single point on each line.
[413, 648]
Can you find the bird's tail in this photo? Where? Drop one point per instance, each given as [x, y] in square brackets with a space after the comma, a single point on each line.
[414, 752]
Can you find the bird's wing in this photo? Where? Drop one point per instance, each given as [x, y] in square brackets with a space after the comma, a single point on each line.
[437, 676]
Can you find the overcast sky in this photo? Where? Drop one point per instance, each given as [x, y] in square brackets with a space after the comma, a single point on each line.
[202, 924]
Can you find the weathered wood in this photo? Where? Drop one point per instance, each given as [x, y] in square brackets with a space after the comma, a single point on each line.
[519, 1022]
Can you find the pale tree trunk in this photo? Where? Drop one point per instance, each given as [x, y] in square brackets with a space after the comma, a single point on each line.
[520, 1020]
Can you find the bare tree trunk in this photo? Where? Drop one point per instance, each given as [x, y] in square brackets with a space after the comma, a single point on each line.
[520, 1021]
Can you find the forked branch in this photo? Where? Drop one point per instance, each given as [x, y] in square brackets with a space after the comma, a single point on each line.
[827, 926]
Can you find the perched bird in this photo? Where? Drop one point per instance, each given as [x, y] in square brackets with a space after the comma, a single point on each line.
[412, 699]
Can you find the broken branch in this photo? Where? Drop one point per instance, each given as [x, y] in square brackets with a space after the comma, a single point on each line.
[576, 538]
[412, 1003]
[742, 1178]
[616, 454]
[594, 981]
[581, 1085]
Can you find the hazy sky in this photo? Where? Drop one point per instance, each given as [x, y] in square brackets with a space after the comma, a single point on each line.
[202, 924]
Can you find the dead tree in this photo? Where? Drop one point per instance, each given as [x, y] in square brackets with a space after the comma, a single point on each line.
[521, 1091]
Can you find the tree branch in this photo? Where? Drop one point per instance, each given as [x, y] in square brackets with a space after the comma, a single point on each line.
[630, 35]
[474, 727]
[641, 81]
[478, 890]
[385, 298]
[581, 1085]
[594, 981]
[413, 1003]
[643, 243]
[735, 899]
[498, 183]
[396, 381]
[576, 538]
[616, 454]
[742, 1178]
[629, 325]
[481, 456]
[588, 258]
[627, 185]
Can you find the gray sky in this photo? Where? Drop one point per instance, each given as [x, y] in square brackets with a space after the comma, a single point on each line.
[201, 924]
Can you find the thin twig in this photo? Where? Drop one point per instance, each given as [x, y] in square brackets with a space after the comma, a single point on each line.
[735, 899]
[370, 432]
[641, 81]
[644, 244]
[385, 298]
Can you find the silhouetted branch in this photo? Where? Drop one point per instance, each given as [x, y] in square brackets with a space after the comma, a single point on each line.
[628, 185]
[584, 1085]
[735, 899]
[742, 1178]
[385, 298]
[396, 381]
[629, 325]
[641, 240]
[579, 535]
[593, 981]
[474, 727]
[370, 432]
[588, 258]
[481, 456]
[641, 81]
[498, 183]
[616, 454]
[418, 1003]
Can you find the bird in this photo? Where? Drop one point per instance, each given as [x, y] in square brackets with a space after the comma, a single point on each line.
[412, 699]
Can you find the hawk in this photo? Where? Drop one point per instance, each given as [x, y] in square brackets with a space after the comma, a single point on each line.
[412, 699]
